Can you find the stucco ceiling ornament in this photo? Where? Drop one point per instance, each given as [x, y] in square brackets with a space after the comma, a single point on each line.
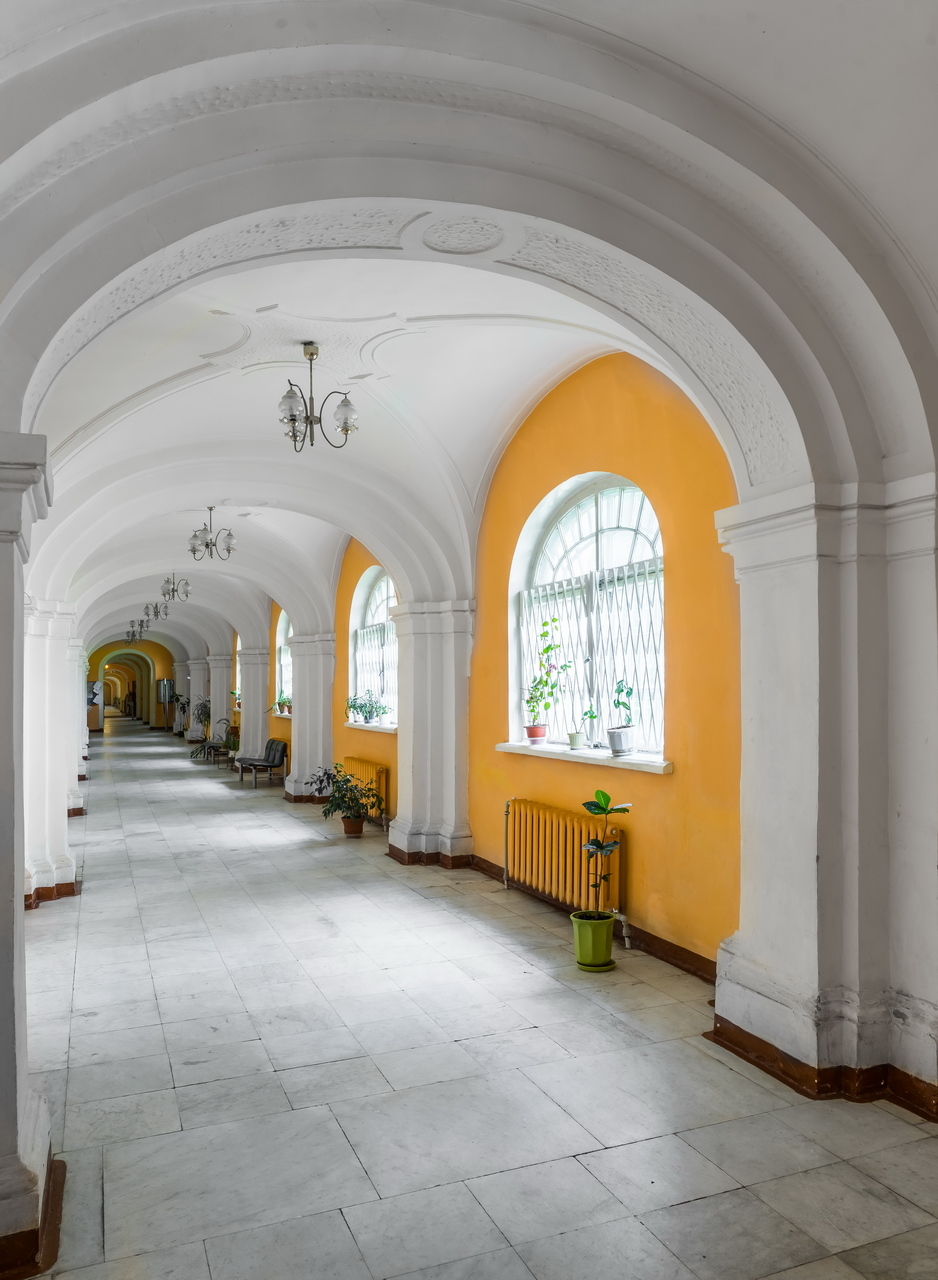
[751, 414]
[463, 235]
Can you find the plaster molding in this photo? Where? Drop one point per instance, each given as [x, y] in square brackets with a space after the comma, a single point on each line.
[463, 235]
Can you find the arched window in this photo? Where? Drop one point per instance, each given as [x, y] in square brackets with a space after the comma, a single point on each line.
[596, 588]
[373, 665]
[284, 657]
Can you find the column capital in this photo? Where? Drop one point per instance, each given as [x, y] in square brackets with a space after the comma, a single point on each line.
[25, 486]
[322, 645]
[218, 659]
[253, 657]
[429, 617]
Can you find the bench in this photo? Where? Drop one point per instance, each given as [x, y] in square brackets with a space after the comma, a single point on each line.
[273, 759]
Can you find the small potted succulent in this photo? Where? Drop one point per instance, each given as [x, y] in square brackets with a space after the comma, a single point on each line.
[577, 736]
[620, 735]
[542, 690]
[322, 780]
[367, 705]
[592, 929]
[353, 800]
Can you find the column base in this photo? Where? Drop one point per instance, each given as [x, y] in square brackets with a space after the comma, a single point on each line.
[78, 812]
[29, 1253]
[416, 857]
[49, 893]
[856, 1084]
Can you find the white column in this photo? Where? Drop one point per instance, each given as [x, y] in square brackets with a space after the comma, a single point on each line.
[198, 688]
[24, 1118]
[78, 718]
[313, 675]
[434, 646]
[808, 969]
[219, 667]
[181, 687]
[255, 675]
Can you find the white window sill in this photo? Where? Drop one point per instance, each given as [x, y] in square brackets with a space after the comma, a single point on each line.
[281, 715]
[371, 728]
[638, 760]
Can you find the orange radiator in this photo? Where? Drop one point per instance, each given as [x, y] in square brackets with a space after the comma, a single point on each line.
[544, 853]
[375, 775]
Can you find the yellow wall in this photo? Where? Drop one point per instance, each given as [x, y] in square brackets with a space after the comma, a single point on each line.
[682, 844]
[364, 743]
[162, 662]
[279, 727]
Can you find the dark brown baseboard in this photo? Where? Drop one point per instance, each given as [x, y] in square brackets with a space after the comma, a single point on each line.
[77, 813]
[30, 1253]
[49, 893]
[83, 777]
[292, 799]
[855, 1084]
[448, 861]
[671, 953]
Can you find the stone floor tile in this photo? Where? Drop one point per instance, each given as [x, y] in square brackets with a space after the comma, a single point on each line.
[218, 1062]
[911, 1256]
[183, 1187]
[139, 1115]
[599, 1035]
[545, 1200]
[116, 1017]
[312, 1047]
[223, 1100]
[841, 1207]
[357, 1010]
[117, 1079]
[732, 1237]
[426, 1065]
[295, 1019]
[320, 1246]
[115, 1046]
[422, 1229]
[440, 1133]
[502, 1264]
[624, 1249]
[825, 1269]
[187, 1263]
[668, 1021]
[480, 1020]
[656, 1173]
[206, 1004]
[81, 1241]
[400, 1033]
[757, 1148]
[522, 1048]
[910, 1170]
[332, 1082]
[848, 1128]
[196, 1033]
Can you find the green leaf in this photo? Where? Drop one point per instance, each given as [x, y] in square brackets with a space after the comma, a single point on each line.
[592, 807]
[620, 808]
[603, 798]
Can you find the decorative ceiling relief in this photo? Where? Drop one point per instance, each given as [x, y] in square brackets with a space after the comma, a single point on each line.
[753, 417]
[463, 235]
[276, 338]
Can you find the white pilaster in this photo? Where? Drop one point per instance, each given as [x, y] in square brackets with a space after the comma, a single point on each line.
[24, 1119]
[255, 677]
[434, 646]
[219, 667]
[313, 675]
[198, 688]
[78, 719]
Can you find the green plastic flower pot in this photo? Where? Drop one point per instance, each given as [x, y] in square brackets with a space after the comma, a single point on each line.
[592, 940]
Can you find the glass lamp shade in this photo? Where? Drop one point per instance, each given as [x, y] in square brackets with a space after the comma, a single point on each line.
[228, 542]
[166, 590]
[203, 536]
[182, 589]
[346, 416]
[291, 407]
[194, 543]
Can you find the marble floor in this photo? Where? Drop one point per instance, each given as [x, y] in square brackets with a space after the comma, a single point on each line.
[272, 1052]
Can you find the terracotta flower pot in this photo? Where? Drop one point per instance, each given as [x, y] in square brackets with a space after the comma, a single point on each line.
[536, 731]
[353, 827]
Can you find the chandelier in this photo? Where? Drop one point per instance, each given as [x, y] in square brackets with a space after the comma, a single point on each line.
[153, 612]
[173, 590]
[298, 412]
[206, 542]
[137, 627]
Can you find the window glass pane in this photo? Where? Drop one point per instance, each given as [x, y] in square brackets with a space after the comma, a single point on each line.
[284, 657]
[375, 647]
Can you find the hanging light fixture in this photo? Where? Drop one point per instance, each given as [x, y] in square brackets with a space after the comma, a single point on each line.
[298, 412]
[206, 542]
[173, 590]
[137, 627]
[154, 612]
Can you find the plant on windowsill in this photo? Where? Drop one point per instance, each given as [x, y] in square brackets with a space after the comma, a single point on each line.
[577, 736]
[283, 705]
[236, 694]
[542, 690]
[322, 780]
[620, 735]
[353, 800]
[592, 929]
[367, 705]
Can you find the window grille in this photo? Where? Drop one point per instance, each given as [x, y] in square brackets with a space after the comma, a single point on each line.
[375, 647]
[284, 656]
[609, 617]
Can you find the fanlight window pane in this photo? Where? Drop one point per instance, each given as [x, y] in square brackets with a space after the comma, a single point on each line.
[600, 576]
[375, 646]
[284, 656]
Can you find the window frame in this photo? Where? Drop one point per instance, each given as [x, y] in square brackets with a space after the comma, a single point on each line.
[365, 591]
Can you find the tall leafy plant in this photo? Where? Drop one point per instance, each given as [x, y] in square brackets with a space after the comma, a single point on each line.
[352, 798]
[542, 691]
[598, 848]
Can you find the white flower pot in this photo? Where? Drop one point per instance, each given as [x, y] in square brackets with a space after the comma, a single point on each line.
[577, 741]
[620, 740]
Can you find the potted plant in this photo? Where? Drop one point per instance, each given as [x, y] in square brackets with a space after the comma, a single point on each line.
[236, 694]
[182, 711]
[620, 735]
[577, 736]
[201, 714]
[322, 780]
[543, 688]
[367, 705]
[353, 800]
[284, 703]
[592, 930]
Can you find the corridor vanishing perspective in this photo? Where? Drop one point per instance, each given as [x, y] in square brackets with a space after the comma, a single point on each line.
[274, 1052]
